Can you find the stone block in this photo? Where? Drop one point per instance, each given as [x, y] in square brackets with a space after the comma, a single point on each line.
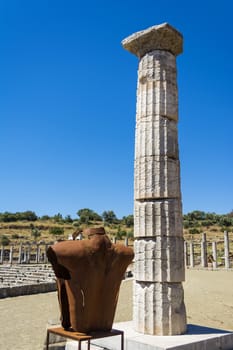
[156, 135]
[156, 177]
[157, 65]
[157, 86]
[158, 218]
[159, 260]
[158, 308]
[160, 37]
[157, 98]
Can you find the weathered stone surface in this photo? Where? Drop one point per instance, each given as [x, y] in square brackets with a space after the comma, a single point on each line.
[157, 87]
[160, 37]
[157, 65]
[156, 136]
[158, 308]
[156, 177]
[159, 247]
[158, 218]
[161, 99]
[158, 259]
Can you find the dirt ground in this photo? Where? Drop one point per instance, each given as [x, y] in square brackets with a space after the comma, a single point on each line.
[208, 299]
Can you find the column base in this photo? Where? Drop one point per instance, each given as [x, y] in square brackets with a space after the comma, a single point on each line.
[158, 308]
[196, 337]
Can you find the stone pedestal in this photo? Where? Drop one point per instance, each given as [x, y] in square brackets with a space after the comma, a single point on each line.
[158, 307]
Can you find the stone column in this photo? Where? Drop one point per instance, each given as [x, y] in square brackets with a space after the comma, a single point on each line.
[24, 254]
[11, 254]
[186, 260]
[191, 252]
[215, 256]
[20, 254]
[204, 251]
[29, 254]
[158, 307]
[1, 255]
[37, 253]
[45, 255]
[226, 250]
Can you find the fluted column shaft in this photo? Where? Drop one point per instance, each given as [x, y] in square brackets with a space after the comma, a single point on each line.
[159, 247]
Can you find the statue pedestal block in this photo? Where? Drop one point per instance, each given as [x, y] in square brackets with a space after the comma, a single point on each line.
[197, 337]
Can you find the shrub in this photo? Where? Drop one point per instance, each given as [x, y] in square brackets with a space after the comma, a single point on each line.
[68, 219]
[45, 217]
[35, 233]
[207, 223]
[76, 223]
[86, 215]
[109, 217]
[56, 231]
[121, 233]
[193, 231]
[128, 220]
[186, 224]
[4, 240]
[130, 234]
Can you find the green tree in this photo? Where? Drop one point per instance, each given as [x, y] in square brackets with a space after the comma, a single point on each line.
[56, 231]
[45, 217]
[58, 218]
[207, 223]
[130, 234]
[213, 217]
[226, 221]
[27, 215]
[68, 219]
[11, 217]
[193, 231]
[86, 215]
[128, 220]
[35, 232]
[109, 217]
[186, 224]
[4, 240]
[195, 215]
[8, 217]
[121, 233]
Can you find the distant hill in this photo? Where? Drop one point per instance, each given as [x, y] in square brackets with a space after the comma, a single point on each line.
[28, 227]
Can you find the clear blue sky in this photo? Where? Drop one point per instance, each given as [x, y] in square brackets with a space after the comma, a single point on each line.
[68, 95]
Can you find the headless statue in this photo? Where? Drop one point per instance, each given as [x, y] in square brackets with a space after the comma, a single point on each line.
[89, 274]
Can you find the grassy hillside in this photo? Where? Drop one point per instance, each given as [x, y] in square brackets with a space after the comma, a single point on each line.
[23, 231]
[27, 227]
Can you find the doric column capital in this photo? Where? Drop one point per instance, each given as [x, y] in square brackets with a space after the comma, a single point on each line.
[159, 37]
